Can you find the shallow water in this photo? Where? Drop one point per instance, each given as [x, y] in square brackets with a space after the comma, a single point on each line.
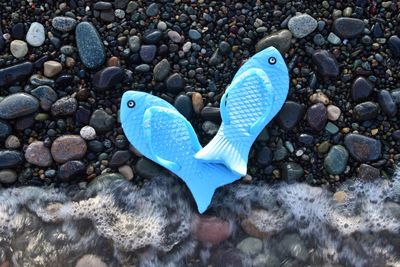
[152, 225]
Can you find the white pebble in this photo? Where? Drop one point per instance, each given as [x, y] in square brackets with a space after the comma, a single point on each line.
[333, 112]
[18, 48]
[88, 133]
[35, 36]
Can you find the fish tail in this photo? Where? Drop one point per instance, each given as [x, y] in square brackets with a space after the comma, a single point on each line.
[233, 155]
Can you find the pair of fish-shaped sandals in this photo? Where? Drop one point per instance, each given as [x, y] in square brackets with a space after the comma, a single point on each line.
[159, 132]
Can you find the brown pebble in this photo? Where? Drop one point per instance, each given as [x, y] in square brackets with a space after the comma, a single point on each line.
[68, 147]
[197, 102]
[113, 62]
[211, 230]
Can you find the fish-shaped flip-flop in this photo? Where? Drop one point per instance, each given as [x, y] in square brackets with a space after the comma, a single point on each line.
[256, 94]
[159, 132]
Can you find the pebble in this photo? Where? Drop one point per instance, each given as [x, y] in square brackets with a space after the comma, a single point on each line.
[134, 43]
[147, 53]
[90, 47]
[88, 132]
[5, 129]
[292, 171]
[71, 170]
[64, 106]
[250, 246]
[293, 246]
[51, 68]
[361, 89]
[319, 98]
[183, 104]
[46, 95]
[325, 64]
[317, 116]
[12, 142]
[229, 257]
[363, 148]
[152, 36]
[194, 35]
[197, 102]
[8, 176]
[161, 70]
[367, 172]
[365, 111]
[290, 114]
[281, 40]
[210, 128]
[211, 230]
[38, 154]
[348, 27]
[35, 36]
[10, 158]
[264, 156]
[211, 113]
[18, 48]
[119, 158]
[387, 103]
[101, 121]
[334, 39]
[175, 37]
[394, 45]
[126, 171]
[107, 78]
[152, 10]
[147, 168]
[68, 147]
[175, 83]
[18, 105]
[333, 112]
[336, 160]
[14, 73]
[266, 259]
[18, 31]
[302, 25]
[63, 24]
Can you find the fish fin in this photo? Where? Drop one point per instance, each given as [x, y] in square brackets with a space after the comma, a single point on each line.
[233, 155]
[161, 134]
[202, 192]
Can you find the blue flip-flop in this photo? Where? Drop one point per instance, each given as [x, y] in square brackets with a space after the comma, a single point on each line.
[163, 135]
[256, 94]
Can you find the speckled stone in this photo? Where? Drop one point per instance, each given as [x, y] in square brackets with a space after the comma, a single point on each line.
[363, 148]
[38, 154]
[68, 147]
[90, 46]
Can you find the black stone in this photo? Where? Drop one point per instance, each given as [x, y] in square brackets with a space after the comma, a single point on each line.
[175, 83]
[64, 80]
[147, 168]
[387, 103]
[264, 156]
[325, 64]
[18, 31]
[119, 158]
[96, 146]
[19, 72]
[306, 139]
[183, 104]
[5, 129]
[82, 115]
[317, 116]
[147, 53]
[363, 148]
[394, 45]
[101, 121]
[377, 31]
[361, 89]
[366, 111]
[71, 169]
[102, 5]
[211, 114]
[107, 78]
[152, 36]
[290, 114]
[10, 158]
[348, 27]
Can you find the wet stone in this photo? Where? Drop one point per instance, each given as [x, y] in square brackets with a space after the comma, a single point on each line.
[101, 5]
[250, 246]
[280, 40]
[14, 73]
[90, 46]
[46, 95]
[119, 158]
[211, 230]
[348, 27]
[64, 106]
[361, 89]
[366, 111]
[152, 36]
[5, 129]
[18, 31]
[194, 34]
[264, 156]
[8, 176]
[290, 114]
[147, 168]
[18, 105]
[336, 160]
[134, 43]
[394, 45]
[161, 70]
[68, 147]
[63, 24]
[38, 154]
[292, 171]
[387, 103]
[317, 116]
[363, 148]
[367, 172]
[71, 170]
[10, 158]
[211, 113]
[101, 121]
[183, 104]
[152, 10]
[107, 78]
[147, 53]
[302, 25]
[51, 68]
[325, 64]
[175, 83]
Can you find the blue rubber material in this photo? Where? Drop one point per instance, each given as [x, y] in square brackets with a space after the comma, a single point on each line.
[158, 131]
[256, 94]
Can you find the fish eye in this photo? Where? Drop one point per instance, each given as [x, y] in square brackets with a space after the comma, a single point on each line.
[131, 104]
[272, 60]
